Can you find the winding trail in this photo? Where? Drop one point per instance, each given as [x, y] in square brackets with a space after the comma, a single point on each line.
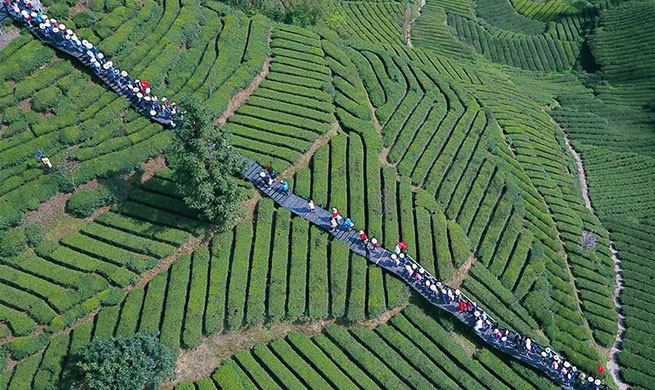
[612, 363]
[408, 29]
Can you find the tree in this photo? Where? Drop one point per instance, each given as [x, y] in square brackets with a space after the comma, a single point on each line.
[138, 363]
[205, 168]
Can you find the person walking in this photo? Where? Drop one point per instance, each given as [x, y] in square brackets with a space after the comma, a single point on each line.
[284, 186]
[363, 238]
[271, 171]
[348, 224]
[333, 224]
[311, 205]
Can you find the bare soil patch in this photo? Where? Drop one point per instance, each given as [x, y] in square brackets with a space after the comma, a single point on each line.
[52, 211]
[152, 166]
[242, 96]
[8, 34]
[462, 272]
[200, 362]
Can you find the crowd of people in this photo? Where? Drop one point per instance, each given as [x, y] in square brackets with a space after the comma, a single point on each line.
[440, 294]
[137, 92]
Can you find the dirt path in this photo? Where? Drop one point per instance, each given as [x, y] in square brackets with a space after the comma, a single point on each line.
[200, 362]
[242, 96]
[462, 272]
[408, 28]
[612, 364]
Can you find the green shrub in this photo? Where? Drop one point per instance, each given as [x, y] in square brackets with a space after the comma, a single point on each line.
[97, 5]
[85, 203]
[84, 19]
[12, 242]
[34, 235]
[58, 11]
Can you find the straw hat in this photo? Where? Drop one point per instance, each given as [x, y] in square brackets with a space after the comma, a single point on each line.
[597, 382]
[101, 56]
[123, 73]
[33, 14]
[139, 95]
[153, 112]
[548, 350]
[567, 364]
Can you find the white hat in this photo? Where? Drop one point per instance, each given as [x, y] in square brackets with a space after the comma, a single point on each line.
[402, 255]
[164, 99]
[53, 20]
[393, 256]
[548, 350]
[590, 379]
[55, 30]
[597, 382]
[374, 240]
[334, 210]
[85, 42]
[433, 288]
[101, 56]
[543, 354]
[24, 13]
[41, 26]
[457, 292]
[153, 112]
[147, 98]
[67, 36]
[421, 270]
[123, 73]
[427, 283]
[62, 27]
[567, 364]
[443, 290]
[33, 14]
[136, 89]
[477, 313]
[139, 95]
[109, 63]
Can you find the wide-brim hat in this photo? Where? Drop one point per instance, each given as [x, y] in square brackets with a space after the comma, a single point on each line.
[477, 313]
[153, 112]
[101, 56]
[139, 95]
[55, 30]
[457, 292]
[597, 382]
[123, 73]
[393, 256]
[567, 364]
[590, 379]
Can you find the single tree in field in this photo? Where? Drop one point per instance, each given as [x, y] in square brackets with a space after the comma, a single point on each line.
[205, 168]
[138, 363]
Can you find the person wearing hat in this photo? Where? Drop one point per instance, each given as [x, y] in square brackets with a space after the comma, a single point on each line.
[333, 224]
[363, 237]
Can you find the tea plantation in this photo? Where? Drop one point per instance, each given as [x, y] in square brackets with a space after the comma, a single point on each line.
[509, 143]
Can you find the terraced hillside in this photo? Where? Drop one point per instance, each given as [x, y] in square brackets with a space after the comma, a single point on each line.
[457, 146]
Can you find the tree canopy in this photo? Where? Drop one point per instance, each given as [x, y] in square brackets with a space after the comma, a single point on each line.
[138, 363]
[205, 167]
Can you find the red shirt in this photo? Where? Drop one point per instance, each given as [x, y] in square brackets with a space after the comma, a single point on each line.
[335, 214]
[363, 236]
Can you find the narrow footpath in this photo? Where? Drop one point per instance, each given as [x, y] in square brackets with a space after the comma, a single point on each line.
[612, 363]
